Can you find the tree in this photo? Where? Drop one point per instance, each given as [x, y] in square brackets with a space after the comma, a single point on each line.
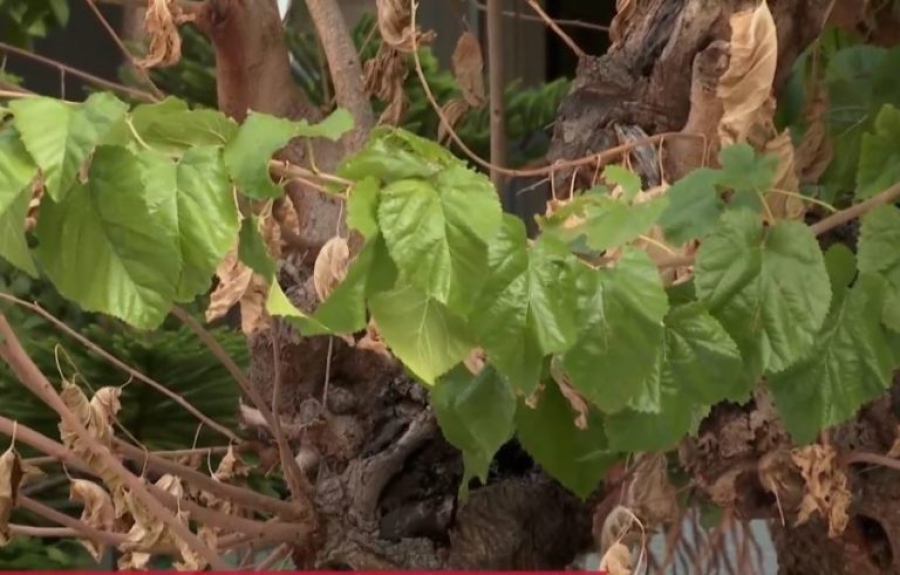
[688, 302]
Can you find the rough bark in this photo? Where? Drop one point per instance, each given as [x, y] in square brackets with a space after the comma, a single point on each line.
[385, 482]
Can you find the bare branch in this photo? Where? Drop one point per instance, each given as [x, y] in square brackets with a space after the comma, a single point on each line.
[344, 66]
[497, 90]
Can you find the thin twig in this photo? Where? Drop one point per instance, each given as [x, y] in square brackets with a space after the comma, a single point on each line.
[567, 40]
[90, 78]
[34, 380]
[61, 326]
[497, 91]
[560, 21]
[122, 48]
[276, 555]
[82, 528]
[297, 481]
[857, 210]
[873, 458]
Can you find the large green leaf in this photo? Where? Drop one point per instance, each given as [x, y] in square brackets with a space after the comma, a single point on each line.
[632, 431]
[524, 311]
[13, 245]
[476, 415]
[247, 155]
[393, 154]
[768, 286]
[438, 231]
[850, 365]
[879, 158]
[171, 126]
[694, 206]
[623, 331]
[252, 249]
[362, 206]
[17, 170]
[105, 249]
[879, 253]
[569, 454]
[195, 202]
[61, 136]
[427, 337]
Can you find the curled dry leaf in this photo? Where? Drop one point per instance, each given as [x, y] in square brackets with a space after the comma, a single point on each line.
[239, 285]
[98, 512]
[784, 200]
[453, 112]
[826, 487]
[468, 68]
[778, 474]
[576, 401]
[814, 152]
[97, 415]
[651, 495]
[396, 26]
[384, 77]
[161, 25]
[231, 466]
[234, 279]
[746, 86]
[620, 525]
[331, 265]
[616, 561]
[372, 341]
[624, 11]
[10, 481]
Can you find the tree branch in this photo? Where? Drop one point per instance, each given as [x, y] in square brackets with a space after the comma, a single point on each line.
[31, 377]
[497, 90]
[344, 67]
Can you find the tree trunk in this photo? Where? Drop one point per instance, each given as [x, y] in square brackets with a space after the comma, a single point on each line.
[385, 482]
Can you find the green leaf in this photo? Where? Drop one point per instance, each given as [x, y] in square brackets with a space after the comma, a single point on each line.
[747, 174]
[850, 365]
[13, 245]
[700, 359]
[523, 312]
[247, 155]
[170, 126]
[635, 431]
[768, 286]
[879, 254]
[437, 233]
[393, 154]
[421, 331]
[476, 415]
[278, 305]
[345, 309]
[548, 433]
[104, 247]
[606, 222]
[841, 265]
[628, 180]
[362, 207]
[195, 201]
[623, 331]
[17, 169]
[694, 206]
[879, 160]
[252, 249]
[61, 136]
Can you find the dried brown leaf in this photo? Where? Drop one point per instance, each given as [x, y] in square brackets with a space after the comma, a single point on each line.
[231, 466]
[624, 11]
[651, 495]
[234, 280]
[331, 265]
[576, 401]
[161, 26]
[10, 481]
[453, 112]
[254, 318]
[784, 201]
[468, 68]
[396, 26]
[616, 560]
[815, 151]
[745, 87]
[827, 489]
[373, 341]
[98, 512]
